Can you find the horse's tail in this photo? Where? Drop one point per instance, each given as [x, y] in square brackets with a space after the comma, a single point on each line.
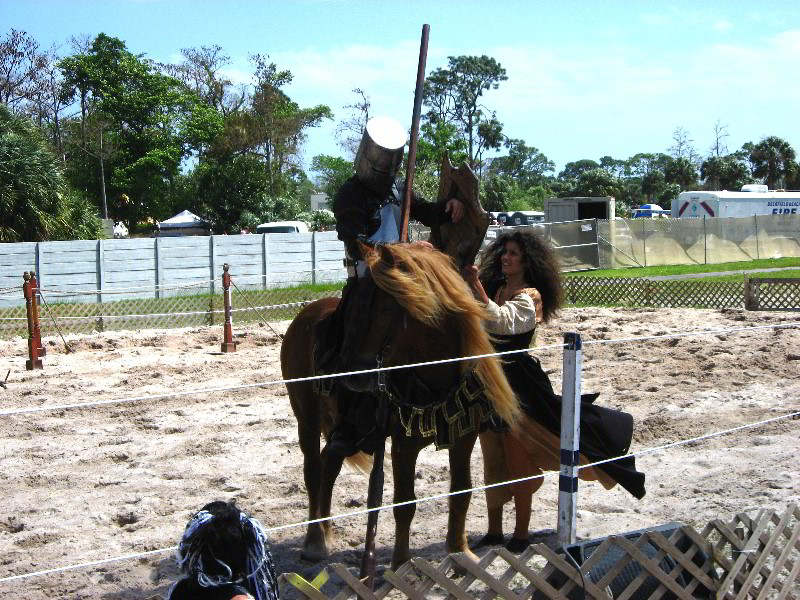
[360, 461]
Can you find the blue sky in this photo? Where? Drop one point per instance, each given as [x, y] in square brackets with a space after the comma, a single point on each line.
[585, 79]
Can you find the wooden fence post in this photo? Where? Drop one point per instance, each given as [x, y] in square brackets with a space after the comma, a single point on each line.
[228, 344]
[35, 349]
[570, 440]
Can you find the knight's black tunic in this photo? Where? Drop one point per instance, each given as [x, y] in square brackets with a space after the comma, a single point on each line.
[357, 211]
[358, 216]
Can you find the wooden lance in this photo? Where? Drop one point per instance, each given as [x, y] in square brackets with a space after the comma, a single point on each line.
[375, 493]
[412, 147]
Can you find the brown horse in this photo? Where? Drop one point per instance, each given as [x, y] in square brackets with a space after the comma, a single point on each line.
[421, 310]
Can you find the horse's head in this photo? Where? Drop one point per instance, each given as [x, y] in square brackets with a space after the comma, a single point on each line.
[415, 307]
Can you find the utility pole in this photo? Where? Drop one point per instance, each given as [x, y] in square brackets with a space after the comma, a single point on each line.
[103, 177]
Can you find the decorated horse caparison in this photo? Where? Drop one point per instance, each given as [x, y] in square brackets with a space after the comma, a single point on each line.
[421, 310]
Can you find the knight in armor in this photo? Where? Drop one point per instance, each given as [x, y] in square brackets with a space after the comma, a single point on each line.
[368, 211]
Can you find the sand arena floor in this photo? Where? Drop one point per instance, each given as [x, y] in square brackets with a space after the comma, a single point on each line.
[92, 483]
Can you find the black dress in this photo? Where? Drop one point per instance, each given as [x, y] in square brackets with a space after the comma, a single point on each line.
[604, 432]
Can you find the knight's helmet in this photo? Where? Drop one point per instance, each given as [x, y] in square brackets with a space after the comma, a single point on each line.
[380, 154]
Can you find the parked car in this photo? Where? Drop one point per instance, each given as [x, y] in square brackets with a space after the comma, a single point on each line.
[282, 227]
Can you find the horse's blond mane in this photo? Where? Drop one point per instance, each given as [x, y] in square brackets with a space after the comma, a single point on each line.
[428, 287]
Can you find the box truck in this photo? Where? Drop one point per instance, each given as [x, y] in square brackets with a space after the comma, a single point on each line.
[752, 200]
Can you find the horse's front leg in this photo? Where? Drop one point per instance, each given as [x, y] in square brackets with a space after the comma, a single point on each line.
[405, 451]
[460, 479]
[318, 536]
[320, 470]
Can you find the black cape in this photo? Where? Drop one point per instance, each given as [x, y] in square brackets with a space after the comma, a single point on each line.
[604, 432]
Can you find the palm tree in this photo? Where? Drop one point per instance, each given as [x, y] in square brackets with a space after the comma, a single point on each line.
[35, 201]
[772, 158]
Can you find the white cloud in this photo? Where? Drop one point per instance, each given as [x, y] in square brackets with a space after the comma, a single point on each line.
[577, 101]
[658, 20]
[677, 17]
[620, 98]
[722, 25]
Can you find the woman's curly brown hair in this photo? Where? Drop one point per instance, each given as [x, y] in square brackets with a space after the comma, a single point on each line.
[542, 270]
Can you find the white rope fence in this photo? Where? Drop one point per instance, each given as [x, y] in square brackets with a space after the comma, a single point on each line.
[37, 409]
[425, 499]
[163, 287]
[435, 497]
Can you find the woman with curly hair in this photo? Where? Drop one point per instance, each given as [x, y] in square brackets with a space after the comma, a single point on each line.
[225, 555]
[519, 281]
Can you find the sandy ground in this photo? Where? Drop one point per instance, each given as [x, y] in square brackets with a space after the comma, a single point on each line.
[85, 484]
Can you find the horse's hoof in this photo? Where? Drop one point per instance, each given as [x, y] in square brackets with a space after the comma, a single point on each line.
[399, 562]
[458, 570]
[314, 553]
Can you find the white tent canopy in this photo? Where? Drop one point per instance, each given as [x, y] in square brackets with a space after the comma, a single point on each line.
[184, 220]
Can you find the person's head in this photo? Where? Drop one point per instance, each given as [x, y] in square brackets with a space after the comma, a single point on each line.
[523, 250]
[222, 545]
[380, 153]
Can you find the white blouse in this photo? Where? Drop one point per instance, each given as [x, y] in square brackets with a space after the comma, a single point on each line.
[518, 315]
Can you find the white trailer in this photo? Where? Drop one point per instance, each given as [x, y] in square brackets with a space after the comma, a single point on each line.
[752, 200]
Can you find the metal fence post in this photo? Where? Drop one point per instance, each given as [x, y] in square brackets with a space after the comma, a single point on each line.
[101, 280]
[212, 259]
[755, 224]
[314, 257]
[705, 242]
[570, 440]
[159, 267]
[264, 260]
[644, 242]
[38, 266]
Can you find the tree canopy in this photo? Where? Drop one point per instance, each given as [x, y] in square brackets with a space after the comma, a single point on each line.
[105, 128]
[35, 201]
[453, 96]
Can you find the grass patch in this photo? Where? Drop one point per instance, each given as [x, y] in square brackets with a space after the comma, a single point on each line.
[771, 263]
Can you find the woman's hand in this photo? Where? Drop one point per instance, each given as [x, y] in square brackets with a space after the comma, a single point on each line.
[470, 274]
[455, 208]
[422, 244]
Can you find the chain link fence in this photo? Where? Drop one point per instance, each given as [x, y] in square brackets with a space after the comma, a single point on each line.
[88, 311]
[686, 293]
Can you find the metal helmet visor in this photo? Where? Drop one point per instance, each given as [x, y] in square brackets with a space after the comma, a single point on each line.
[380, 153]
